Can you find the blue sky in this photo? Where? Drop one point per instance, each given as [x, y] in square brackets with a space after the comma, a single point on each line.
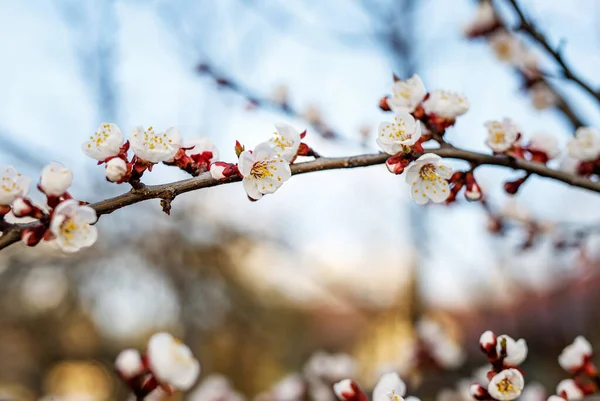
[339, 219]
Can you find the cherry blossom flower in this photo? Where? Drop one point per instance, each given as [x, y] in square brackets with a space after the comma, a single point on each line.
[129, 363]
[406, 95]
[172, 362]
[71, 226]
[544, 143]
[286, 141]
[502, 135]
[116, 169]
[346, 390]
[574, 356]
[202, 151]
[106, 142]
[427, 177]
[542, 96]
[389, 384]
[585, 146]
[485, 20]
[445, 104]
[12, 185]
[516, 351]
[263, 171]
[399, 135]
[506, 47]
[155, 147]
[55, 179]
[506, 385]
[569, 389]
[487, 340]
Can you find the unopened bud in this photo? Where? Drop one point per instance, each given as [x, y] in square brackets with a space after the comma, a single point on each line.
[396, 164]
[472, 192]
[55, 179]
[347, 390]
[512, 187]
[23, 207]
[478, 392]
[487, 343]
[222, 170]
[116, 169]
[239, 148]
[129, 363]
[383, 104]
[33, 236]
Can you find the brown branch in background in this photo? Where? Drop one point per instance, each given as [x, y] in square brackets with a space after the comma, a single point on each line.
[279, 105]
[567, 72]
[171, 190]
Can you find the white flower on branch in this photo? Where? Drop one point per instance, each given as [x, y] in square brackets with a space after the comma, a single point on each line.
[390, 384]
[12, 185]
[502, 135]
[506, 385]
[569, 389]
[575, 355]
[55, 179]
[345, 390]
[399, 135]
[516, 351]
[115, 169]
[172, 362]
[544, 143]
[71, 226]
[506, 47]
[406, 95]
[542, 96]
[202, 147]
[263, 171]
[155, 147]
[484, 20]
[106, 142]
[129, 363]
[445, 104]
[286, 141]
[585, 146]
[427, 177]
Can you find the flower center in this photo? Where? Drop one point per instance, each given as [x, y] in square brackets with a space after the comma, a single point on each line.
[392, 396]
[153, 140]
[8, 184]
[498, 137]
[261, 170]
[69, 228]
[399, 129]
[428, 172]
[504, 386]
[100, 137]
[281, 142]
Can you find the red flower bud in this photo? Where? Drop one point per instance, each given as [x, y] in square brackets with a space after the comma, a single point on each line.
[239, 148]
[383, 104]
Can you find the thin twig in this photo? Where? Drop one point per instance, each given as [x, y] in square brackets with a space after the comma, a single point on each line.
[529, 28]
[172, 190]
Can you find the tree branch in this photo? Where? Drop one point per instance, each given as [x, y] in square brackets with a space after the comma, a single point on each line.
[12, 233]
[529, 28]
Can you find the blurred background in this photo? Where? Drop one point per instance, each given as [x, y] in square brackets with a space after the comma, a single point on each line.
[339, 261]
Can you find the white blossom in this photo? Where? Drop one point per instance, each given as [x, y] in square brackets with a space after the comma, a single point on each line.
[487, 339]
[129, 363]
[115, 169]
[55, 179]
[570, 389]
[12, 185]
[442, 348]
[155, 147]
[516, 351]
[542, 97]
[200, 146]
[172, 362]
[445, 104]
[575, 354]
[545, 143]
[399, 135]
[485, 19]
[427, 177]
[286, 141]
[506, 385]
[290, 388]
[263, 171]
[585, 146]
[406, 95]
[106, 142]
[71, 225]
[501, 134]
[390, 387]
[344, 390]
[507, 47]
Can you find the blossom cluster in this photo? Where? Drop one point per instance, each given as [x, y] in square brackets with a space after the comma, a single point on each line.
[576, 360]
[390, 387]
[62, 220]
[167, 365]
[506, 380]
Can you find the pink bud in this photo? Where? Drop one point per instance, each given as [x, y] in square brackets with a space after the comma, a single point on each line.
[347, 390]
[472, 192]
[116, 169]
[129, 363]
[217, 169]
[487, 343]
[478, 392]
